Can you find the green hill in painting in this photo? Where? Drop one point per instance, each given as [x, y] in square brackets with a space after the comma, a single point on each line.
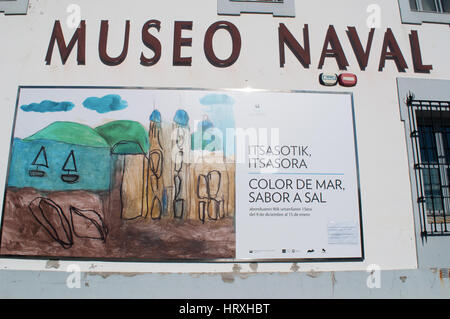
[71, 133]
[125, 137]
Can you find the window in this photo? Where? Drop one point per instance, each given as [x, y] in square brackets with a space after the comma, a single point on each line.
[429, 122]
[425, 114]
[259, 1]
[14, 6]
[280, 8]
[418, 11]
[442, 6]
[446, 6]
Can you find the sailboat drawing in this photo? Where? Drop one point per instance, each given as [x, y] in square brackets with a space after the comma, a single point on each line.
[69, 167]
[39, 161]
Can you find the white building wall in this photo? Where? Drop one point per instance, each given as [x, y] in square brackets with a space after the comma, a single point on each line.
[388, 226]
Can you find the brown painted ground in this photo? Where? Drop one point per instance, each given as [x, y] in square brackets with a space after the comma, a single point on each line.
[131, 240]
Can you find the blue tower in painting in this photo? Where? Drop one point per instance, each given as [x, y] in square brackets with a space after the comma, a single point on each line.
[157, 195]
[181, 146]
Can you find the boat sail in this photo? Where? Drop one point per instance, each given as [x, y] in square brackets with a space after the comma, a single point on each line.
[69, 167]
[39, 161]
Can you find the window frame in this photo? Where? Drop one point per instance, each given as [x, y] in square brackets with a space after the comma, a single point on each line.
[429, 248]
[284, 8]
[410, 16]
[14, 6]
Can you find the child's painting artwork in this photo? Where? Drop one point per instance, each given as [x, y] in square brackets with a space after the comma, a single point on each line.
[116, 173]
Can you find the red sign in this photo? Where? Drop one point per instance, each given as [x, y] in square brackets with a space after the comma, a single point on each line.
[348, 79]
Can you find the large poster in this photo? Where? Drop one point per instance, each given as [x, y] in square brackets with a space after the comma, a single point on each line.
[297, 193]
[181, 174]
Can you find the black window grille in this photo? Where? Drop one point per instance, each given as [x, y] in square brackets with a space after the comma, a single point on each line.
[430, 138]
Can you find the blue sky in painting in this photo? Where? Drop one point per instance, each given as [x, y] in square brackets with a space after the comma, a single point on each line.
[48, 106]
[108, 103]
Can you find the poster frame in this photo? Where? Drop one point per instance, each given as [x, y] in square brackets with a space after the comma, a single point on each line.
[190, 261]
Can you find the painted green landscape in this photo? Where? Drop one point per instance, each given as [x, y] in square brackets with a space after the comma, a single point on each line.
[119, 190]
